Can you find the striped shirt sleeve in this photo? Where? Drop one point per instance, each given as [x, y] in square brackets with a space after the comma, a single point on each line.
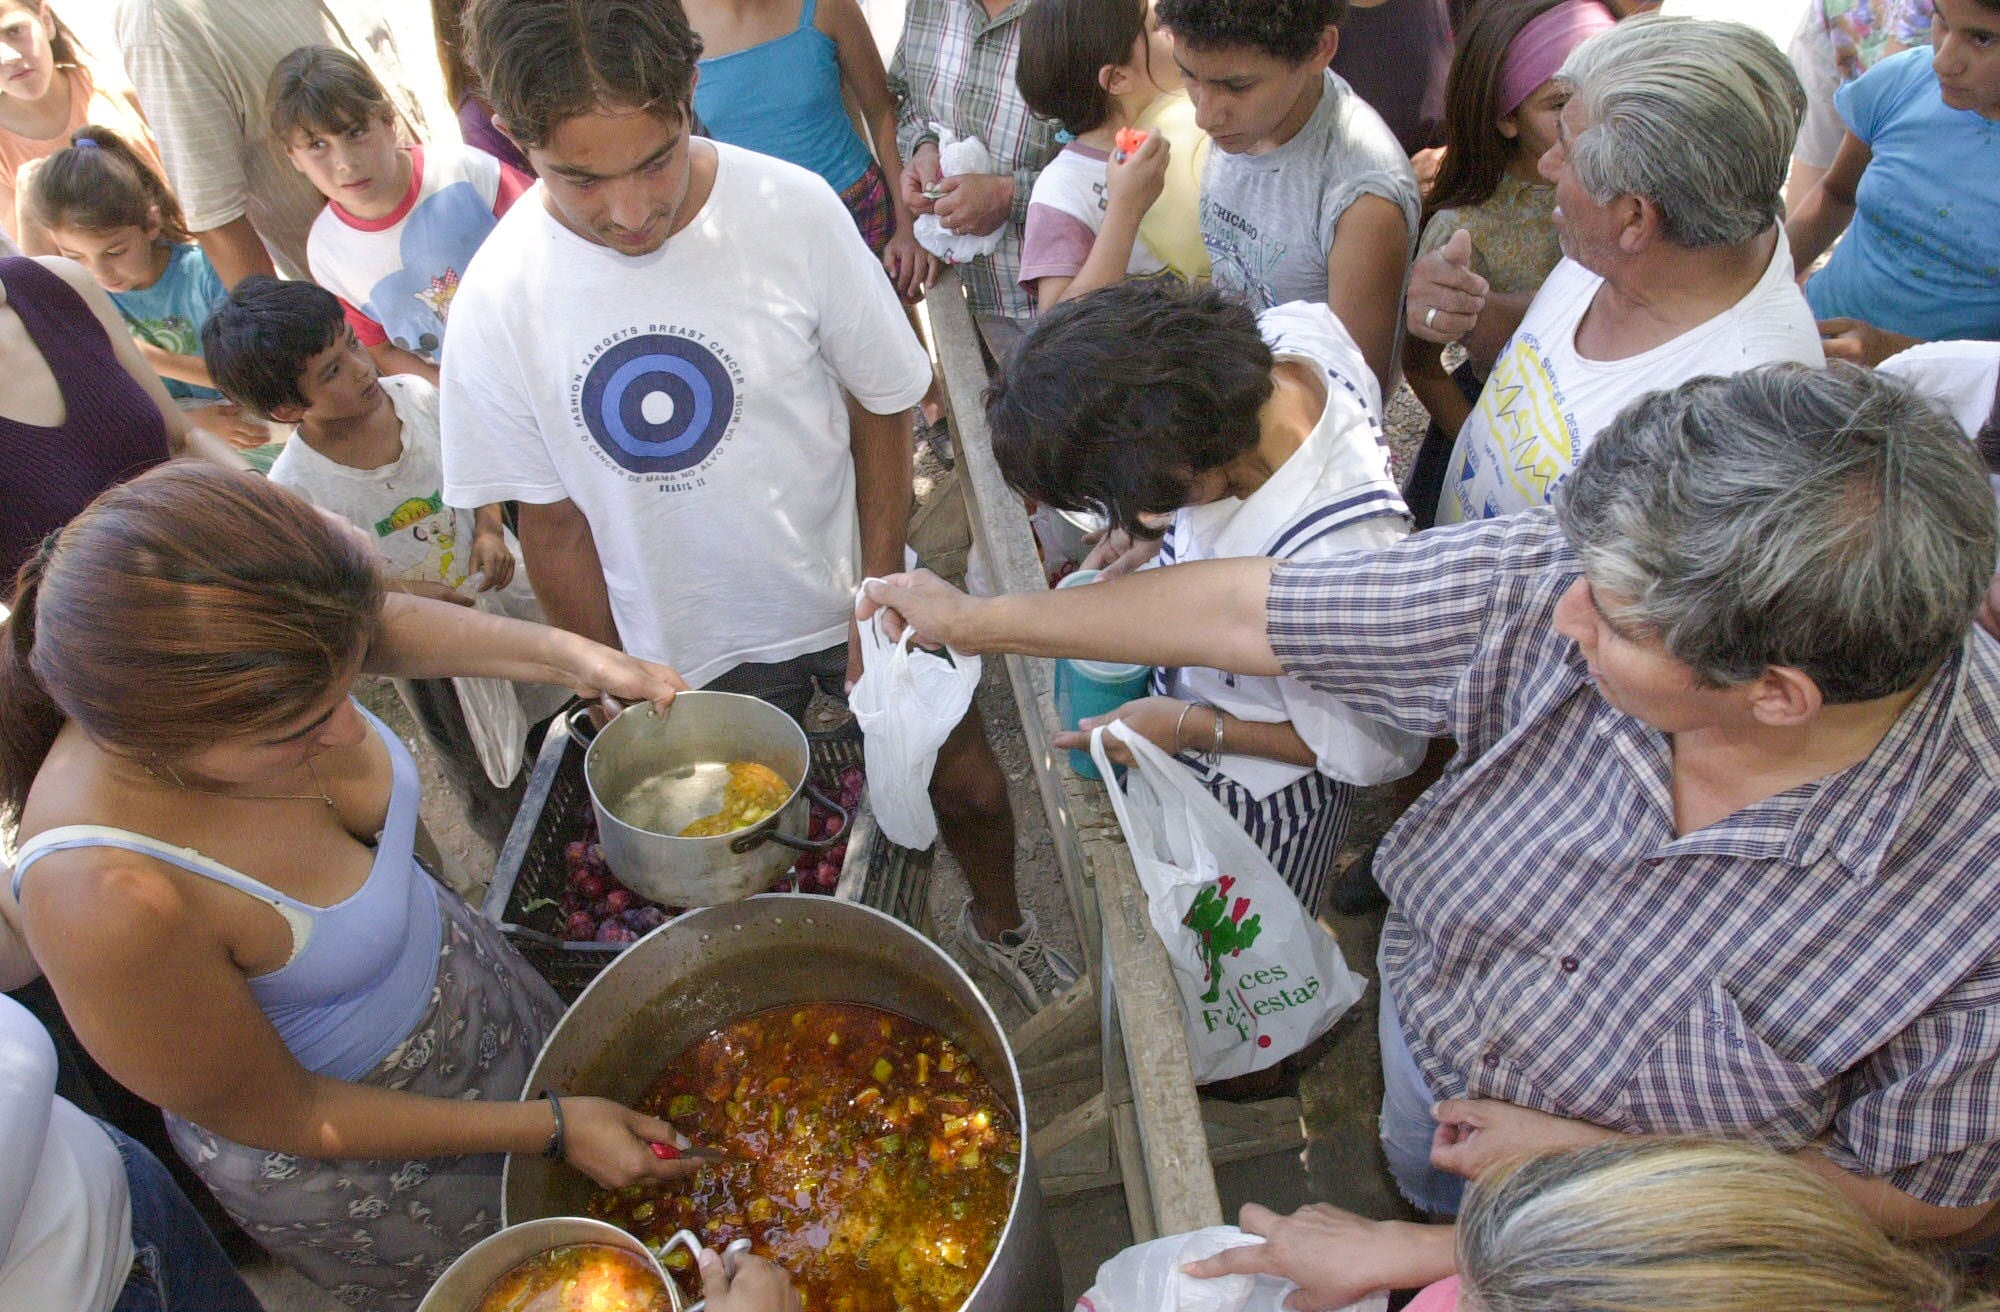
[1398, 633]
[199, 128]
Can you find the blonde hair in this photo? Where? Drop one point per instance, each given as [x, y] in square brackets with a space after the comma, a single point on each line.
[1676, 1225]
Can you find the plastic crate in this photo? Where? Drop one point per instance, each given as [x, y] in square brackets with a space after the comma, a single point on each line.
[553, 815]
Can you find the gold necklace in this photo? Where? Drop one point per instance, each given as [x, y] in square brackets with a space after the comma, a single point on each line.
[320, 795]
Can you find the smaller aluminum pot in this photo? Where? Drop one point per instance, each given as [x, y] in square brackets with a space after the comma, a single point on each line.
[466, 1281]
[681, 758]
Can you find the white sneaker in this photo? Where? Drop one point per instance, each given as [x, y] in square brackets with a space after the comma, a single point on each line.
[1036, 971]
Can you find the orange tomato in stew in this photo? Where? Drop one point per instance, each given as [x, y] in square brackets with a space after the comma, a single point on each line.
[866, 1155]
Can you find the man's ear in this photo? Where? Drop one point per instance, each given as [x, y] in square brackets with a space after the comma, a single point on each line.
[1639, 223]
[500, 126]
[285, 414]
[1328, 47]
[1785, 697]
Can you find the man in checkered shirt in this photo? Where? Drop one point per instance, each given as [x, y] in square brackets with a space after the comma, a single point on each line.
[1715, 854]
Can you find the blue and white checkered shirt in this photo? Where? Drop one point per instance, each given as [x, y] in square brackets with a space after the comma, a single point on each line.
[1822, 966]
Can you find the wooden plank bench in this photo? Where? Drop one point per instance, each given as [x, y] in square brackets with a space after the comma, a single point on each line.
[1143, 1128]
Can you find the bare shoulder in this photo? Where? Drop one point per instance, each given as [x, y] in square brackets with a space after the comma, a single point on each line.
[95, 908]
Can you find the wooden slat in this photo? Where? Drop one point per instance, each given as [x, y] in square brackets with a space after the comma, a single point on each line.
[1154, 1114]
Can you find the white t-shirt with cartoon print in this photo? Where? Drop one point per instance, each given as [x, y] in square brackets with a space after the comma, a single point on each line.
[1545, 403]
[689, 402]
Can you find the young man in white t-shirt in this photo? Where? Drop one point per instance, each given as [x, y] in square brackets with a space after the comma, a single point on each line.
[684, 364]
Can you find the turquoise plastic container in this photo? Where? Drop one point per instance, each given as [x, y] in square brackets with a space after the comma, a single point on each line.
[1087, 688]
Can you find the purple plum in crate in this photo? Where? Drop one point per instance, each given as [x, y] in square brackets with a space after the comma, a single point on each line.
[581, 928]
[643, 919]
[613, 932]
[619, 900]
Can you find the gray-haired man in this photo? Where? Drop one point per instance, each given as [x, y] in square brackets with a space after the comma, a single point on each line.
[1669, 162]
[1715, 853]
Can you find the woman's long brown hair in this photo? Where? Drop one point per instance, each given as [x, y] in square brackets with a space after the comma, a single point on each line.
[191, 605]
[1476, 155]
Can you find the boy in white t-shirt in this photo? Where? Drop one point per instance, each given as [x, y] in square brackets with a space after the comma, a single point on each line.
[367, 449]
[1260, 435]
[401, 223]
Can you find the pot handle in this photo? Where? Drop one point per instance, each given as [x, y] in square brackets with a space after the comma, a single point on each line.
[686, 1239]
[578, 724]
[834, 839]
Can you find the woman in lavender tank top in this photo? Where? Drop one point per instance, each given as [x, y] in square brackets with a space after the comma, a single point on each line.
[217, 873]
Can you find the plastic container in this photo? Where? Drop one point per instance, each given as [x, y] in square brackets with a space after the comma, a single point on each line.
[1087, 688]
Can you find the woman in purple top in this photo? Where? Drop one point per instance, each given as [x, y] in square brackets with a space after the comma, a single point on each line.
[80, 409]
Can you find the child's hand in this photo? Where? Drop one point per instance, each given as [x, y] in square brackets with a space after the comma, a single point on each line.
[911, 268]
[1134, 181]
[491, 558]
[232, 424]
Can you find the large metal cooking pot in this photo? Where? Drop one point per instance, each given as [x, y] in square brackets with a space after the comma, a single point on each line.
[682, 759]
[717, 965]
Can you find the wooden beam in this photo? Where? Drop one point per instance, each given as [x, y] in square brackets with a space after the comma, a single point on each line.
[1149, 1085]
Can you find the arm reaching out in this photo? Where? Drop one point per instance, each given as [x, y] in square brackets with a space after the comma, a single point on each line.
[1142, 617]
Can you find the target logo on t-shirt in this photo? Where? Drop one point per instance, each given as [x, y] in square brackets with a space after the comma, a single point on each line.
[658, 404]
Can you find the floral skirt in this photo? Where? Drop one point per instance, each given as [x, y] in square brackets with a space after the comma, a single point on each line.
[377, 1234]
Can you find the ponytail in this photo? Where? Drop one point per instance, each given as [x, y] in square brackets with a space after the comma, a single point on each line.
[29, 719]
[97, 183]
[189, 606]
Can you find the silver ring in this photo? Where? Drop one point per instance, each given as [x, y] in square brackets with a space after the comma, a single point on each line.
[1430, 315]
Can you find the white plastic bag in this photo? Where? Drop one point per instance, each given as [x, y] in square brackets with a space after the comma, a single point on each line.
[957, 155]
[1148, 1278]
[1259, 978]
[907, 702]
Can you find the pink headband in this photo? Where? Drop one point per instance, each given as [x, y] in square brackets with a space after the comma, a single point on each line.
[1540, 47]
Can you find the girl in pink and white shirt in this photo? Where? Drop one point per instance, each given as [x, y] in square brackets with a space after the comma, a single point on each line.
[400, 223]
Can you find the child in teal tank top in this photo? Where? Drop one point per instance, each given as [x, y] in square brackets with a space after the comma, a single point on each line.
[106, 209]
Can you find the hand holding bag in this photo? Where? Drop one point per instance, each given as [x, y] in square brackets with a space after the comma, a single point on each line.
[1148, 1278]
[907, 702]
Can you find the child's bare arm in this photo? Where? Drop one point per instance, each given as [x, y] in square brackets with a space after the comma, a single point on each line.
[180, 368]
[390, 358]
[911, 268]
[1132, 182]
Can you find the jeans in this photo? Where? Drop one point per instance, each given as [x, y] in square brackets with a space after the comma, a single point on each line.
[176, 1263]
[1407, 1127]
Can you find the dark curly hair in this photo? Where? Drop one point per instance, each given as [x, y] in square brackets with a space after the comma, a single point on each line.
[1283, 29]
[1114, 402]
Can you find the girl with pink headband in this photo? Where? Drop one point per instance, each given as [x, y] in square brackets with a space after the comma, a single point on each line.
[1488, 208]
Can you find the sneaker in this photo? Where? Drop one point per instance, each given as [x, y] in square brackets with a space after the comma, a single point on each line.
[936, 434]
[1032, 968]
